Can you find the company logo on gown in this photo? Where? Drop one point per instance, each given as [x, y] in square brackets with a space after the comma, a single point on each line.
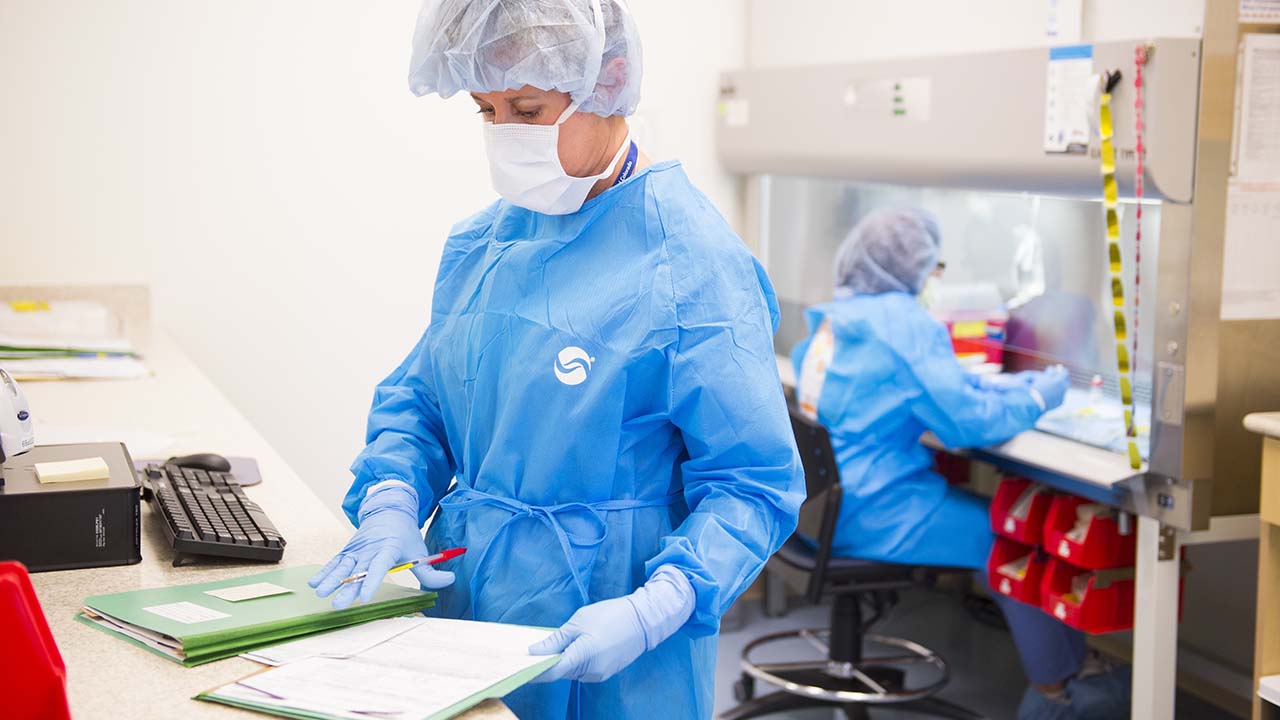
[572, 365]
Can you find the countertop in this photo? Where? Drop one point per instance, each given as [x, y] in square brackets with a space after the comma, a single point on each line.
[108, 678]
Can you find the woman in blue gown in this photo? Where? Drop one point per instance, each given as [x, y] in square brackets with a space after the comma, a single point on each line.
[878, 371]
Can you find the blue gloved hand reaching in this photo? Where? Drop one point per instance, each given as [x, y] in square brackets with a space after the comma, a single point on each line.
[1050, 387]
[389, 534]
[604, 637]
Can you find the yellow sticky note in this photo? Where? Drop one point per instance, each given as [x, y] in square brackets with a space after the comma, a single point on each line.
[73, 470]
[28, 305]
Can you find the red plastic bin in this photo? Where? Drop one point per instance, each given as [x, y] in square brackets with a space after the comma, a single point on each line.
[1025, 590]
[1028, 530]
[1102, 545]
[33, 679]
[1107, 604]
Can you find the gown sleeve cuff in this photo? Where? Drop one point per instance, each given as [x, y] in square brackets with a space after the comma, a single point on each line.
[405, 497]
[678, 555]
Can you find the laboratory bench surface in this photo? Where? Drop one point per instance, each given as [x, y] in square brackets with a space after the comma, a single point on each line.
[1266, 660]
[109, 678]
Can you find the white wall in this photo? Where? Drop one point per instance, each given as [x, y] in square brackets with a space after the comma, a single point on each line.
[264, 167]
[810, 32]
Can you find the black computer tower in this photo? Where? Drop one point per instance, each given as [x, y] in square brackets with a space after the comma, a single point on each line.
[68, 525]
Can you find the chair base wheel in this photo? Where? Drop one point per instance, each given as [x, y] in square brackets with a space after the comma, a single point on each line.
[744, 688]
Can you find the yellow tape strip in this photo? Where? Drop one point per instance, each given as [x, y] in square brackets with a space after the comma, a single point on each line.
[1115, 264]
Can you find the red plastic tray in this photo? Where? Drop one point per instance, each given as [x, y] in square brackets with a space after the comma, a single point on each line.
[33, 678]
[1028, 530]
[1027, 589]
[1102, 547]
[1106, 606]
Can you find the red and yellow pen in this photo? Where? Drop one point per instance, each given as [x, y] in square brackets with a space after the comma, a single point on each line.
[429, 560]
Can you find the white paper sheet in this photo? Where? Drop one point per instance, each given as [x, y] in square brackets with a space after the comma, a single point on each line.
[66, 342]
[77, 368]
[342, 643]
[1260, 11]
[252, 591]
[186, 612]
[1068, 98]
[1257, 138]
[1251, 254]
[162, 643]
[419, 672]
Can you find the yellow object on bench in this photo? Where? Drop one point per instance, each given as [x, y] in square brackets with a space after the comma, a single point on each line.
[73, 470]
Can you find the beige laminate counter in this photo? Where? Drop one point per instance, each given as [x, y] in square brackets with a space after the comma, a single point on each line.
[108, 678]
[1266, 661]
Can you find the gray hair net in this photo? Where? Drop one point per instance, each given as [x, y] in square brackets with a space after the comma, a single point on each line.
[589, 49]
[891, 249]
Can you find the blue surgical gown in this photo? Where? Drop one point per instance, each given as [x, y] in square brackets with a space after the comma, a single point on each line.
[892, 376]
[596, 396]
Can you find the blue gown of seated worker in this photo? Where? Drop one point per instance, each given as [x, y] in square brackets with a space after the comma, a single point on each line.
[603, 388]
[892, 376]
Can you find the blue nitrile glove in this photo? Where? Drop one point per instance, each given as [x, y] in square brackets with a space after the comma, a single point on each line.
[388, 535]
[605, 637]
[1049, 388]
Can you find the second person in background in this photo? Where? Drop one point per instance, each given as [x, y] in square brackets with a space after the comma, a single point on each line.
[878, 371]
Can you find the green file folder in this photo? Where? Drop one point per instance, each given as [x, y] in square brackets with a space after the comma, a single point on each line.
[248, 624]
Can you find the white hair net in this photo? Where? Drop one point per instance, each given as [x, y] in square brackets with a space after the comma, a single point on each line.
[587, 48]
[891, 249]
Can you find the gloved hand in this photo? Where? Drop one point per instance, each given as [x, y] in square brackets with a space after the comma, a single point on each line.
[1049, 388]
[605, 637]
[389, 534]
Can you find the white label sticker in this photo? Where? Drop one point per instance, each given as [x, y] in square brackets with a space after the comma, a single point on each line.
[186, 612]
[1006, 587]
[1060, 611]
[1064, 548]
[248, 592]
[1010, 525]
[1068, 99]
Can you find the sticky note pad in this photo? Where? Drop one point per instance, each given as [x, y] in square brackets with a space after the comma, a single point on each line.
[73, 470]
[248, 592]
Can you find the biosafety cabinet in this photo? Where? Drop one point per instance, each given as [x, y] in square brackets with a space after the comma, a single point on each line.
[1004, 148]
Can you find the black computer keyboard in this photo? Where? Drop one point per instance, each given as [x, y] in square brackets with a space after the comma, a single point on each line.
[207, 513]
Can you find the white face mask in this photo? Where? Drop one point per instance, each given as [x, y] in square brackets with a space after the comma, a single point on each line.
[524, 164]
[928, 296]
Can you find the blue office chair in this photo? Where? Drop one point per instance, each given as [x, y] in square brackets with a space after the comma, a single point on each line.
[858, 670]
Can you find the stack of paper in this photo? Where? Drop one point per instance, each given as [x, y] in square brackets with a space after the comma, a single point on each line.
[65, 339]
[195, 624]
[416, 668]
